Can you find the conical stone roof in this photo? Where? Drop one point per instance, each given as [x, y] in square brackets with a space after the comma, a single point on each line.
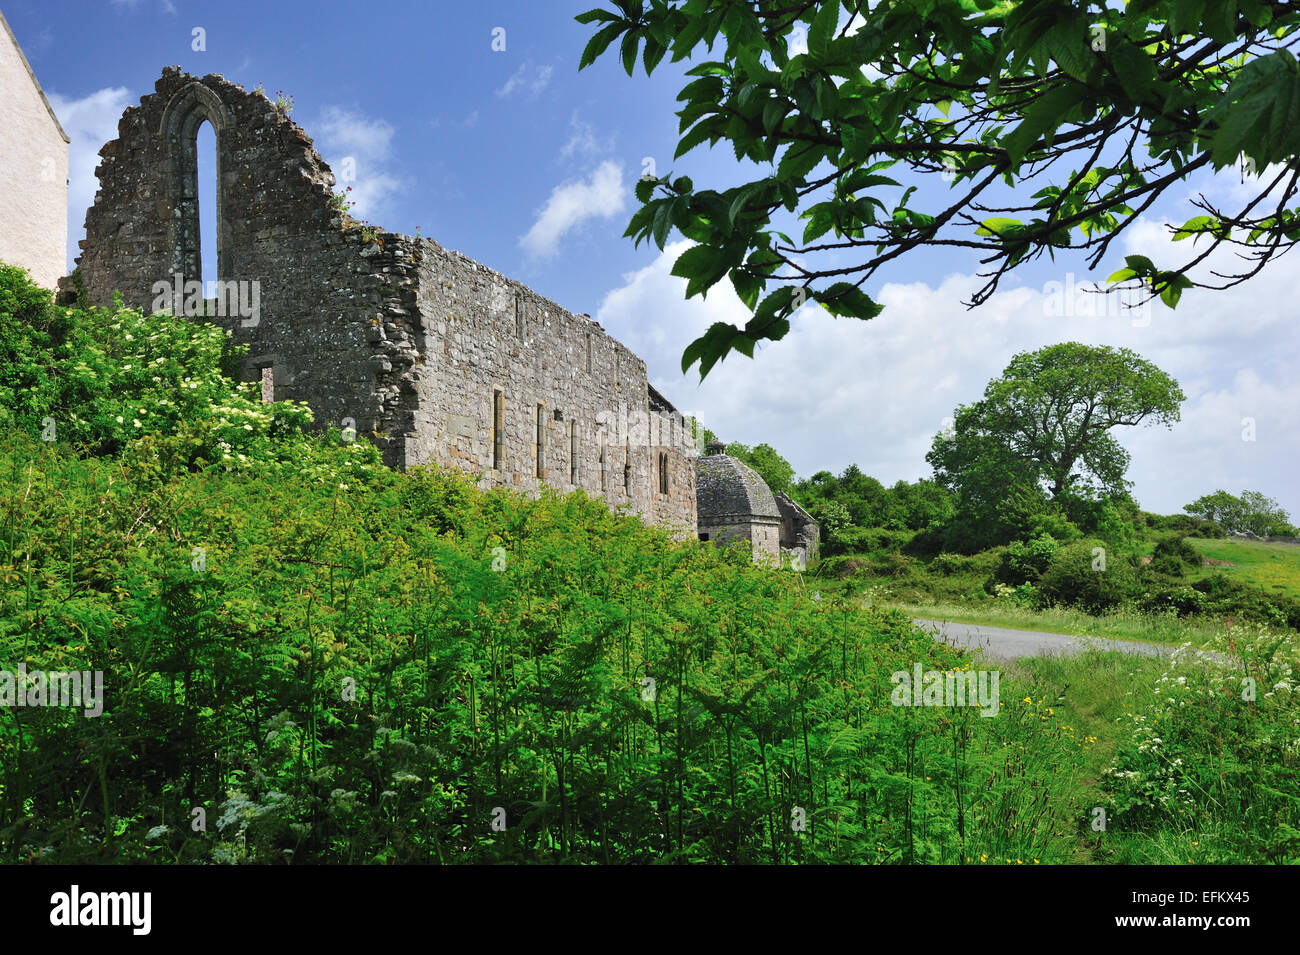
[730, 491]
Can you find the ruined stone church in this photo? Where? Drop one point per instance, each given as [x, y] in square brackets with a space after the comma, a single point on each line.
[427, 353]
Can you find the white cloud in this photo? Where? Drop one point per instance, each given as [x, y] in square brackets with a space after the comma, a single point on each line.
[90, 122]
[600, 196]
[583, 140]
[841, 391]
[359, 151]
[528, 80]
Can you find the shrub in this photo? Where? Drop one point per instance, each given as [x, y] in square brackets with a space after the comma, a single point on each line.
[1083, 575]
[872, 541]
[895, 565]
[1024, 561]
[1227, 597]
[1173, 556]
[1180, 600]
[1054, 525]
[949, 564]
[1185, 524]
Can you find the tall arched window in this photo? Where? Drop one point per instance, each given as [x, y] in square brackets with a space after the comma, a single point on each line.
[209, 241]
[191, 107]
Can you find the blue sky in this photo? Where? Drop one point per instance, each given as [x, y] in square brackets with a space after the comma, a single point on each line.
[518, 160]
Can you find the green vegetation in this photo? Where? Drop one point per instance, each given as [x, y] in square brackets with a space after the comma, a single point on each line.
[1038, 445]
[1029, 518]
[903, 125]
[1253, 512]
[340, 663]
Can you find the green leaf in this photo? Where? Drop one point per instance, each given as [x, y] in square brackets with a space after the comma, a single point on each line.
[1043, 117]
[704, 129]
[1173, 287]
[598, 43]
[748, 286]
[654, 52]
[1195, 226]
[701, 266]
[742, 198]
[1259, 115]
[774, 111]
[645, 187]
[596, 14]
[820, 219]
[846, 299]
[709, 347]
[997, 227]
[663, 221]
[799, 160]
[629, 52]
[822, 30]
[1135, 69]
[861, 179]
[1140, 264]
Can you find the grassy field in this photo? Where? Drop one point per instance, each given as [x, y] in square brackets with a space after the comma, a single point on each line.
[1120, 625]
[1274, 567]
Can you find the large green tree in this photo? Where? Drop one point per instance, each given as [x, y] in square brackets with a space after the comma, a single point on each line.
[1043, 125]
[1253, 511]
[1042, 431]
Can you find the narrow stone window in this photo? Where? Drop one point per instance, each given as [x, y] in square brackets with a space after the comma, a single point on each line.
[589, 353]
[627, 470]
[573, 453]
[541, 443]
[498, 430]
[205, 197]
[268, 384]
[663, 473]
[604, 466]
[519, 320]
[196, 176]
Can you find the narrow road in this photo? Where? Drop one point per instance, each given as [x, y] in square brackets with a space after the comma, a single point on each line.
[1012, 644]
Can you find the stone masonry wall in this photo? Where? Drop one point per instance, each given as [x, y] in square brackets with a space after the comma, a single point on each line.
[396, 336]
[492, 335]
[763, 535]
[800, 534]
[324, 294]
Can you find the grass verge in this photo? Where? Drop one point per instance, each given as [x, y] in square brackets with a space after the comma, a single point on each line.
[1119, 625]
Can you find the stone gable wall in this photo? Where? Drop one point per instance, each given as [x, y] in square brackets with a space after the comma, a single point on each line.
[396, 336]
